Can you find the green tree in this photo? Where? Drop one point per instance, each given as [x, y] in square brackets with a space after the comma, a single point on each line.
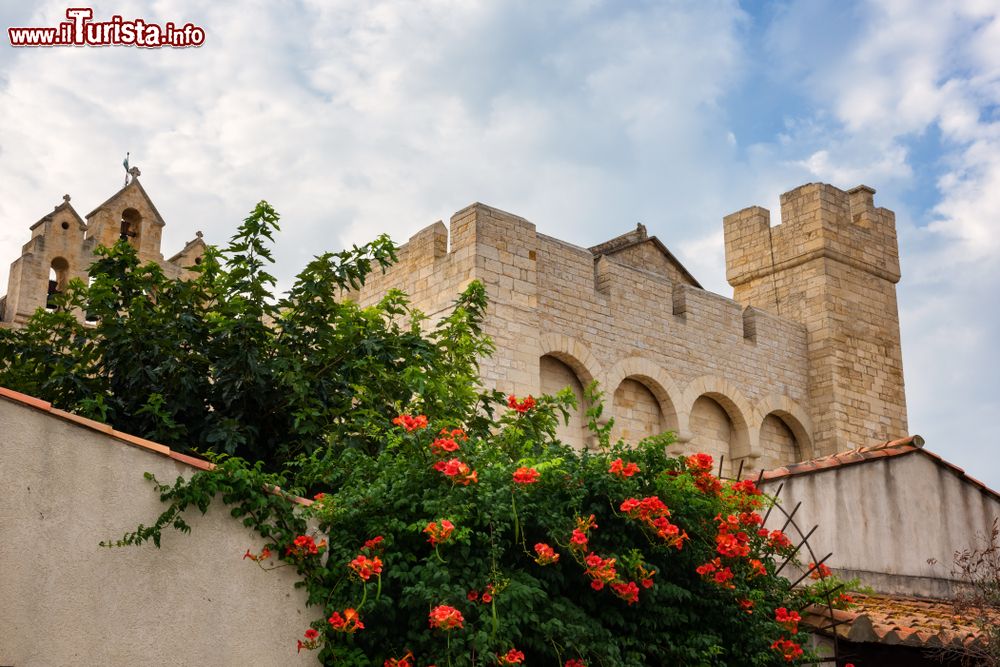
[221, 364]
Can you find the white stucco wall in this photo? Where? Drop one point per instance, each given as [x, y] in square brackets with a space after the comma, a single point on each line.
[66, 601]
[885, 519]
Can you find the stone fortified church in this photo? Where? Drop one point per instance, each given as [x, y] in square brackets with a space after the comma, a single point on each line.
[804, 361]
[62, 247]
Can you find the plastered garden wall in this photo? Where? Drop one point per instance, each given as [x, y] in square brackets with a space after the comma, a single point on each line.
[66, 601]
[894, 522]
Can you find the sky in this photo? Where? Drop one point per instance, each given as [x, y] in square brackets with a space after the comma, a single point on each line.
[583, 116]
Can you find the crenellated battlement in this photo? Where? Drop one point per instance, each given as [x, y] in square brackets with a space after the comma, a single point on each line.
[563, 314]
[812, 329]
[817, 220]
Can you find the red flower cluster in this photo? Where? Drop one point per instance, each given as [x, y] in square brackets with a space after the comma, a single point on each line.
[730, 541]
[646, 509]
[511, 657]
[777, 539]
[787, 619]
[628, 592]
[365, 567]
[520, 406]
[645, 576]
[578, 540]
[487, 598]
[746, 605]
[319, 497]
[438, 533]
[444, 617]
[374, 544]
[708, 483]
[546, 554]
[573, 662]
[843, 601]
[714, 572]
[411, 423]
[459, 472]
[448, 442]
[746, 486]
[746, 494]
[623, 470]
[526, 476]
[304, 545]
[652, 512]
[698, 463]
[600, 570]
[757, 568]
[264, 554]
[820, 571]
[311, 642]
[442, 446]
[400, 662]
[788, 649]
[348, 622]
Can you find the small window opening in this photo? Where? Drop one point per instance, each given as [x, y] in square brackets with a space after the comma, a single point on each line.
[65, 225]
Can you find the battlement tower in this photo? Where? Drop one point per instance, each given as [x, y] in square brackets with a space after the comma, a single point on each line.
[831, 265]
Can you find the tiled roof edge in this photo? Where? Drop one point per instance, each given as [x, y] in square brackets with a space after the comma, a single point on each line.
[121, 436]
[892, 448]
[865, 626]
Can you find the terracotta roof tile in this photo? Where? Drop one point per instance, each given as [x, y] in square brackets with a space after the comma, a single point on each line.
[913, 444]
[83, 421]
[885, 619]
[128, 438]
[191, 461]
[18, 397]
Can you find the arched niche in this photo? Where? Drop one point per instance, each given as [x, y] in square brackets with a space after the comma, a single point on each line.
[554, 376]
[630, 383]
[717, 421]
[785, 431]
[58, 280]
[131, 226]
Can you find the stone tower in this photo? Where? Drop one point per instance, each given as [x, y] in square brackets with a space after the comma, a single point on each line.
[832, 265]
[62, 248]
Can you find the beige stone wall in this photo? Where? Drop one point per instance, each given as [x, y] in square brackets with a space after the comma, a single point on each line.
[832, 264]
[608, 321]
[884, 520]
[645, 256]
[65, 601]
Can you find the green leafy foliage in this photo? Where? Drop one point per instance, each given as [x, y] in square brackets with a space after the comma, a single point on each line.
[552, 612]
[222, 364]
